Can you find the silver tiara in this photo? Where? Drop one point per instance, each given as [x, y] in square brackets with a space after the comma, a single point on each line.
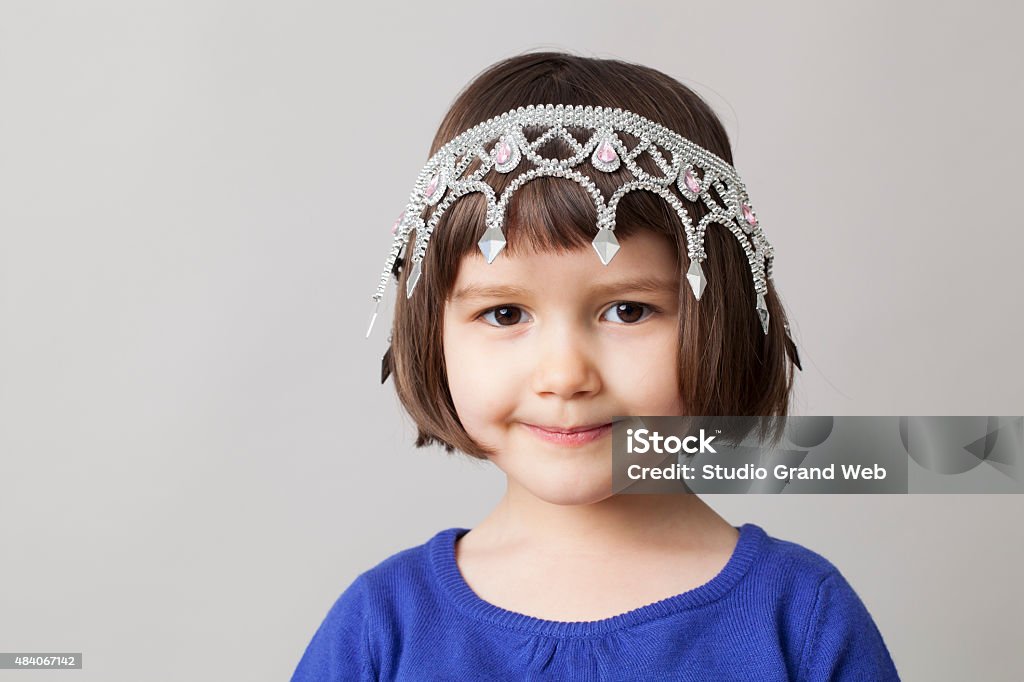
[500, 144]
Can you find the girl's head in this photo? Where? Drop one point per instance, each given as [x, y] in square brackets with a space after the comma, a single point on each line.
[573, 342]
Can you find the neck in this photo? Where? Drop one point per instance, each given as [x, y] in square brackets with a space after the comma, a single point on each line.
[639, 522]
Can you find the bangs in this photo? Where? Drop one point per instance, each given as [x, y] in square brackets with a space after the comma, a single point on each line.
[550, 214]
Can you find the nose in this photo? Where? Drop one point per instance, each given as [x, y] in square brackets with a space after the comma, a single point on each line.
[566, 364]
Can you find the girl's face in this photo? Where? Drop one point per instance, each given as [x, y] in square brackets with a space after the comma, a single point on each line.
[562, 341]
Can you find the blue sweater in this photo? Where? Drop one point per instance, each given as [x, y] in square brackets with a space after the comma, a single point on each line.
[777, 611]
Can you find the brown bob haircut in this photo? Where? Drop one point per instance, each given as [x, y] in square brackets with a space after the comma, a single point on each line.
[727, 365]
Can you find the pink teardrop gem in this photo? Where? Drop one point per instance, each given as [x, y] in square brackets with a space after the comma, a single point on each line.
[503, 153]
[748, 215]
[606, 153]
[394, 228]
[691, 182]
[432, 187]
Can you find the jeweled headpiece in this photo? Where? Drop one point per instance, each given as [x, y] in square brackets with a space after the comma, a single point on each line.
[501, 144]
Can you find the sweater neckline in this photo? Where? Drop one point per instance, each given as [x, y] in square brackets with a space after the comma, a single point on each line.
[441, 550]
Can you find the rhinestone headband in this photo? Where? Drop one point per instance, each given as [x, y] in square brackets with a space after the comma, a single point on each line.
[501, 144]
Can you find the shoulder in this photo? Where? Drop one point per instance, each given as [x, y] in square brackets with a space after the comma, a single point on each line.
[398, 587]
[362, 620]
[791, 558]
[797, 576]
[836, 637]
[410, 569]
[793, 572]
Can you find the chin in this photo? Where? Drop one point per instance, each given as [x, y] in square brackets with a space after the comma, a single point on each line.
[570, 491]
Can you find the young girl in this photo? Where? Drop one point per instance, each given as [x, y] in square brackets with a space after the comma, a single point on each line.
[514, 341]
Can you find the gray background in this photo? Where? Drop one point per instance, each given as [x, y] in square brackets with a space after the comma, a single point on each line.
[196, 455]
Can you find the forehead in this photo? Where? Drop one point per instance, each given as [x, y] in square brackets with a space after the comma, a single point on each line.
[644, 261]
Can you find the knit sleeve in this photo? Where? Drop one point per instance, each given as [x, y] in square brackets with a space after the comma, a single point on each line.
[339, 649]
[843, 643]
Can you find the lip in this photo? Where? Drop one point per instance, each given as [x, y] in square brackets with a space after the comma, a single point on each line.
[579, 435]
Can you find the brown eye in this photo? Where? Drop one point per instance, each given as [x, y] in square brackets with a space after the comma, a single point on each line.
[504, 316]
[629, 312]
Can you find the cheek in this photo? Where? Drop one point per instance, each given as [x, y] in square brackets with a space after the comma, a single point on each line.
[649, 380]
[479, 389]
[459, 374]
[668, 398]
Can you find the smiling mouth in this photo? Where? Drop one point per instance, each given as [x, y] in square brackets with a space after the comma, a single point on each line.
[576, 436]
[574, 429]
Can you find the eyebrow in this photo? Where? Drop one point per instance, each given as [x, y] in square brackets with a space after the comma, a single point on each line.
[641, 284]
